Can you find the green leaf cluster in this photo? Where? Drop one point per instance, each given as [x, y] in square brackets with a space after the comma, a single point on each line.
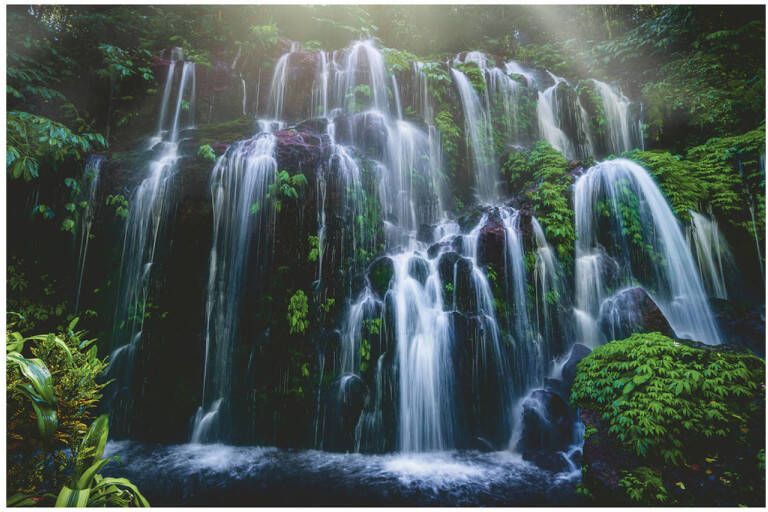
[541, 176]
[668, 402]
[298, 309]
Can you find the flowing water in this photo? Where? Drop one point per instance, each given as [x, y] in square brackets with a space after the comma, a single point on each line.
[616, 199]
[712, 254]
[243, 226]
[148, 210]
[623, 130]
[446, 337]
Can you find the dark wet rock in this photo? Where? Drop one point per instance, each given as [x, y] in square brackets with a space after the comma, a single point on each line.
[446, 265]
[425, 233]
[547, 424]
[380, 274]
[463, 285]
[436, 248]
[557, 386]
[418, 268]
[345, 398]
[491, 242]
[630, 311]
[578, 352]
[299, 150]
[551, 461]
[316, 125]
[740, 325]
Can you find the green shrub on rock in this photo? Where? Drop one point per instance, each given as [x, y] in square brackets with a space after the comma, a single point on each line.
[675, 408]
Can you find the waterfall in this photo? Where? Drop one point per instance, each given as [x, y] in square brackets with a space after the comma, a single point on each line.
[712, 254]
[547, 112]
[621, 215]
[147, 212]
[90, 184]
[424, 346]
[479, 136]
[279, 83]
[622, 132]
[243, 222]
[549, 286]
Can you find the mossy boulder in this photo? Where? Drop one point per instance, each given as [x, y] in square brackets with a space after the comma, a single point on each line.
[672, 422]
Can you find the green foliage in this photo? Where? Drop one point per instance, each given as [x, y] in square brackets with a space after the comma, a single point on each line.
[723, 175]
[398, 60]
[450, 133]
[120, 204]
[87, 488]
[264, 37]
[285, 187]
[474, 74]
[35, 140]
[314, 248]
[644, 485]
[541, 173]
[206, 152]
[327, 305]
[365, 355]
[668, 402]
[298, 308]
[53, 392]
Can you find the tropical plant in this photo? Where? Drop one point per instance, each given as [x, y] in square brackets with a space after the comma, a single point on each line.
[53, 391]
[298, 308]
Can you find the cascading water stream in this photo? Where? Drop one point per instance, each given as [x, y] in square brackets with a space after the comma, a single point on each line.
[622, 131]
[147, 212]
[479, 134]
[618, 197]
[548, 112]
[712, 253]
[243, 221]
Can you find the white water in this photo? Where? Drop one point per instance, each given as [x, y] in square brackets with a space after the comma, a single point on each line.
[147, 212]
[479, 136]
[712, 254]
[671, 278]
[548, 113]
[243, 225]
[622, 131]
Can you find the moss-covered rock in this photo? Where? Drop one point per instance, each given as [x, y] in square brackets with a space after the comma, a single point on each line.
[671, 422]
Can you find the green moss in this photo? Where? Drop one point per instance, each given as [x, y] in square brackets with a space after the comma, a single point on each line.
[667, 402]
[227, 132]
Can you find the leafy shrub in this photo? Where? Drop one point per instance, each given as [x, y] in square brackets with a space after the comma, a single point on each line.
[298, 308]
[206, 152]
[644, 485]
[53, 392]
[285, 187]
[541, 175]
[668, 402]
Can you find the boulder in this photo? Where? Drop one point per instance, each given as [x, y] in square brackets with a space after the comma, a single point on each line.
[380, 273]
[547, 429]
[740, 325]
[629, 311]
[492, 243]
[418, 269]
[578, 352]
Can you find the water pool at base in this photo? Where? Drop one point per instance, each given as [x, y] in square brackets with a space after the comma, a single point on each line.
[223, 475]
